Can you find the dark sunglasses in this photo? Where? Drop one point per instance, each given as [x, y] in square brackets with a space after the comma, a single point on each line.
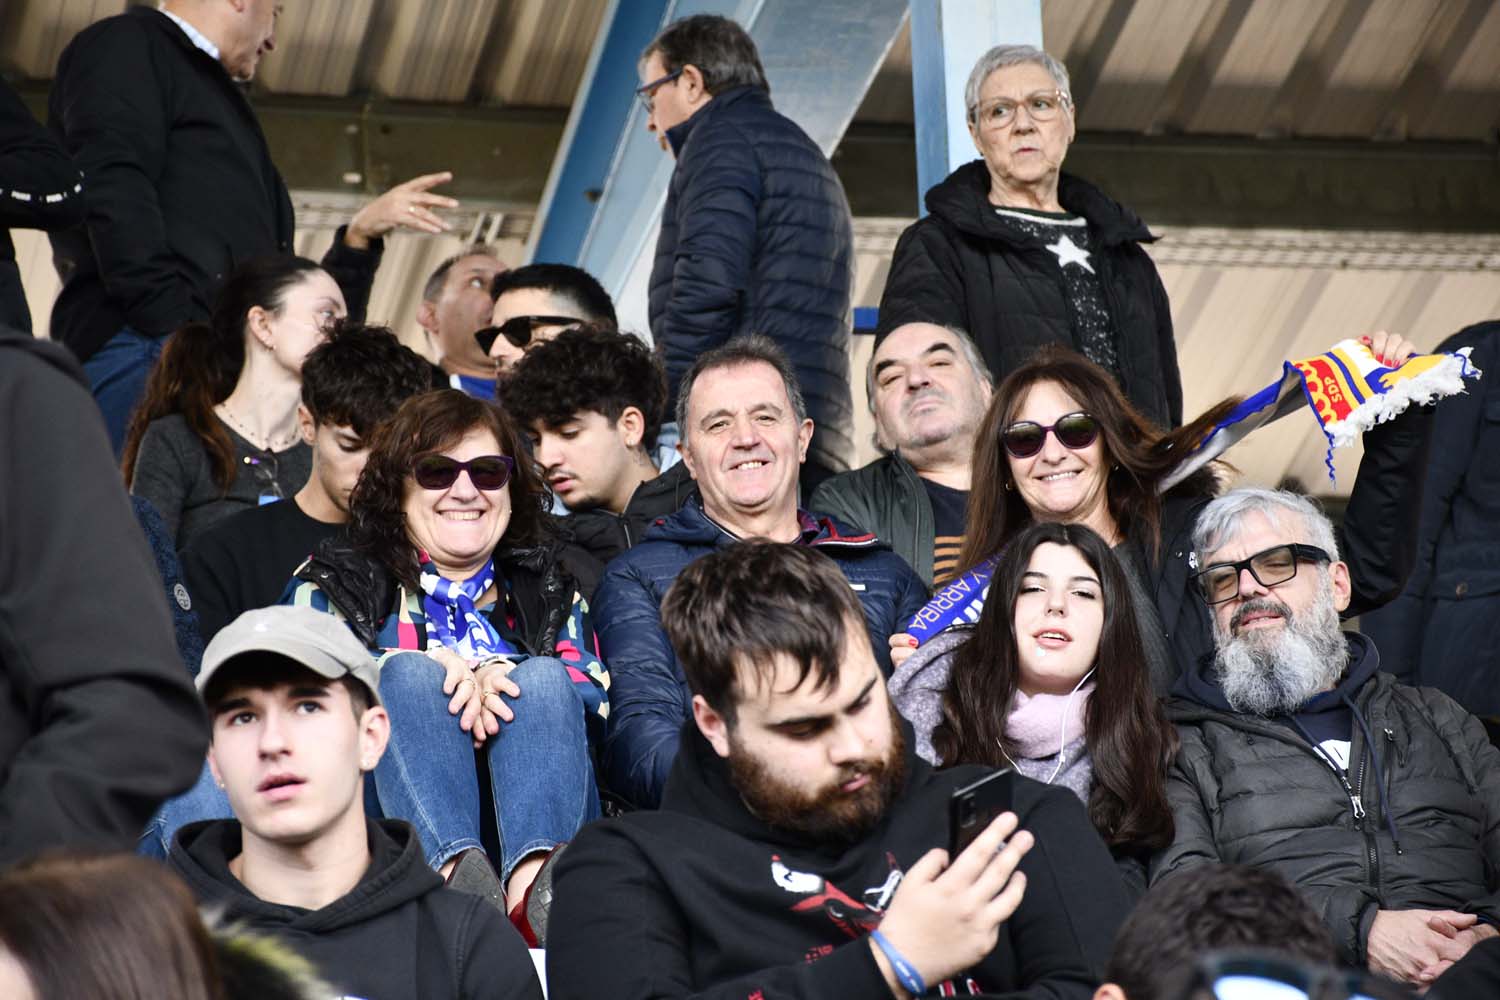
[1221, 581]
[1026, 437]
[518, 329]
[487, 472]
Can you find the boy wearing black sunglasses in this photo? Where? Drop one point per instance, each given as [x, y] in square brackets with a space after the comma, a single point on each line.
[535, 303]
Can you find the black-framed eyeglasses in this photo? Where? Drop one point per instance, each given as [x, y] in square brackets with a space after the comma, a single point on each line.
[487, 472]
[518, 330]
[646, 93]
[1074, 431]
[1278, 564]
[1247, 975]
[1042, 106]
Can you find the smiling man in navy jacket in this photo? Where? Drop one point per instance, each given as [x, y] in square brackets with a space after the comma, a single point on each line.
[745, 433]
[797, 853]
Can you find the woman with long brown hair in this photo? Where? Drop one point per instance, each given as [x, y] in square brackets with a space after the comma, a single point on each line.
[216, 431]
[1052, 682]
[1061, 443]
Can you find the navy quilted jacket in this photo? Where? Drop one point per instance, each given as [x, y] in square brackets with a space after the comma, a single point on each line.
[756, 238]
[648, 696]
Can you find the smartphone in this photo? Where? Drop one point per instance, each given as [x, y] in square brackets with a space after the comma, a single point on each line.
[974, 807]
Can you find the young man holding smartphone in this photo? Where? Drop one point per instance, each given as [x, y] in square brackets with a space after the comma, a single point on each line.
[798, 851]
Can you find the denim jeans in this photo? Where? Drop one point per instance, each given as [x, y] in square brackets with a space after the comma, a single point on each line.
[117, 374]
[205, 800]
[541, 775]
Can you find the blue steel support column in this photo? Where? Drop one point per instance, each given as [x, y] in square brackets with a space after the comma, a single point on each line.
[605, 102]
[947, 38]
[819, 57]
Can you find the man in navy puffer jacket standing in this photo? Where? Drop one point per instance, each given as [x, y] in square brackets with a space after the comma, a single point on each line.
[756, 235]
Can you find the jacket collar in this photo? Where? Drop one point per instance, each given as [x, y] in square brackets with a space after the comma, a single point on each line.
[747, 95]
[962, 199]
[692, 525]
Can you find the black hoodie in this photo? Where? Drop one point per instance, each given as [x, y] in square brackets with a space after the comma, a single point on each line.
[398, 934]
[99, 722]
[964, 266]
[702, 899]
[1413, 823]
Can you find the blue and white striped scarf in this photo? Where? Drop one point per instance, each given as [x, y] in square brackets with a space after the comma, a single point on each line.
[452, 619]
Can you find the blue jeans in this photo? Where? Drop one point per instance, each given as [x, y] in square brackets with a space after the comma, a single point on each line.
[541, 775]
[205, 800]
[117, 374]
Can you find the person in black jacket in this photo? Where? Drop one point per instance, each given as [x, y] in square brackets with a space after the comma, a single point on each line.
[1381, 802]
[39, 189]
[1451, 606]
[1021, 254]
[180, 186]
[592, 401]
[756, 235]
[297, 724]
[798, 852]
[98, 721]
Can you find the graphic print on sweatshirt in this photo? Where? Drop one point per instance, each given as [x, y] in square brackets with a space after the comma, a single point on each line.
[854, 917]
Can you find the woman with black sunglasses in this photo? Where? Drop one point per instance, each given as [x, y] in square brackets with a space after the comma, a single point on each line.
[1061, 443]
[451, 579]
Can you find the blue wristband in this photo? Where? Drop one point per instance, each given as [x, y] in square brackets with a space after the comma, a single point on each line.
[906, 974]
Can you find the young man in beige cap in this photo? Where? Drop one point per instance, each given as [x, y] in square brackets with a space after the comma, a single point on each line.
[297, 724]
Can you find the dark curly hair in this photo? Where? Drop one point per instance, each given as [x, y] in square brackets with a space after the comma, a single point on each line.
[1138, 453]
[1129, 740]
[359, 376]
[592, 368]
[424, 424]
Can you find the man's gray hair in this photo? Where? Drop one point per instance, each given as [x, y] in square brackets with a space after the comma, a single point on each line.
[1220, 520]
[1002, 56]
[753, 348]
[966, 346]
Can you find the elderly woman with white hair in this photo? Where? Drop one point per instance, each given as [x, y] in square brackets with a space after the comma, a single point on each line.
[1021, 254]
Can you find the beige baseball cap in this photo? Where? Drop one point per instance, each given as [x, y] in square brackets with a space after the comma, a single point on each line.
[319, 641]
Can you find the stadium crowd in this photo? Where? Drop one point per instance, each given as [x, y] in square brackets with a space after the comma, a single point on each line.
[389, 670]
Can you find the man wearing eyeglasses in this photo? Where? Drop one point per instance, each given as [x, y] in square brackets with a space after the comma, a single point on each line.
[1381, 802]
[535, 303]
[756, 235]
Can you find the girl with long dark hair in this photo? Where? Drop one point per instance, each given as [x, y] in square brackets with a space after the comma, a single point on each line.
[216, 431]
[1052, 682]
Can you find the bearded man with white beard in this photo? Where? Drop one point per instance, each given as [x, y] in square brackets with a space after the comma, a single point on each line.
[1381, 802]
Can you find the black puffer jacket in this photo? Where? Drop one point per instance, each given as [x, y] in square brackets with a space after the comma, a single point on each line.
[756, 238]
[960, 266]
[542, 584]
[1419, 827]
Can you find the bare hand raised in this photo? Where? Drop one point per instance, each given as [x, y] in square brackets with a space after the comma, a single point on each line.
[410, 205]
